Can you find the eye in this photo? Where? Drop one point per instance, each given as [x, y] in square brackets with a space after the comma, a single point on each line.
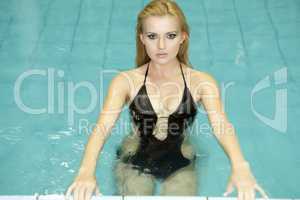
[172, 36]
[151, 36]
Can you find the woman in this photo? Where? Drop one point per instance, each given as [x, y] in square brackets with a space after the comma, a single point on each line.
[162, 93]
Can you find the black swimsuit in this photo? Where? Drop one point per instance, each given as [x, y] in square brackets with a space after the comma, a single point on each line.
[160, 157]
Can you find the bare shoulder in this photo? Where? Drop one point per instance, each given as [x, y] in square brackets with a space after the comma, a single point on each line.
[204, 84]
[135, 76]
[202, 77]
[137, 72]
[120, 79]
[128, 79]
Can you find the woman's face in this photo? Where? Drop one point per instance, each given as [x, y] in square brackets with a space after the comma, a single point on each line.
[162, 38]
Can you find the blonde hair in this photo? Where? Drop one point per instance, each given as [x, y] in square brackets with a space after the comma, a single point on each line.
[161, 8]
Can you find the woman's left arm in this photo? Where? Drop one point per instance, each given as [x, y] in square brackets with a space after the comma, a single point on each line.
[241, 175]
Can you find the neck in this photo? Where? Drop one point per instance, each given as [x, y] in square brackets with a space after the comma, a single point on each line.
[169, 68]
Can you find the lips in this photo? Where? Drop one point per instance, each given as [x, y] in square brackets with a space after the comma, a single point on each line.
[161, 55]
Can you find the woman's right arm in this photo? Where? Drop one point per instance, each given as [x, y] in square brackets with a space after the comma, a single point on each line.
[85, 182]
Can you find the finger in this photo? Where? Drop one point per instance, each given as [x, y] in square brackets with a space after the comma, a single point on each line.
[88, 194]
[240, 195]
[262, 192]
[66, 197]
[69, 191]
[82, 193]
[252, 194]
[97, 191]
[248, 194]
[229, 189]
[76, 193]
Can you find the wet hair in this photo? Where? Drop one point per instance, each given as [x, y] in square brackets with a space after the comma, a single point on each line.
[161, 8]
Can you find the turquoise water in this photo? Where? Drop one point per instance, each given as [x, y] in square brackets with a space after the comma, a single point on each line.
[250, 47]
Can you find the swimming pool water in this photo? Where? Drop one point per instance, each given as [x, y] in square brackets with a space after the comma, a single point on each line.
[250, 47]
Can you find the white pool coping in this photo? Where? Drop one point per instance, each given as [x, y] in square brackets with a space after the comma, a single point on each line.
[61, 197]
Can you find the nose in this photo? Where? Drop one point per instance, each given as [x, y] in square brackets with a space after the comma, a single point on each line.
[161, 43]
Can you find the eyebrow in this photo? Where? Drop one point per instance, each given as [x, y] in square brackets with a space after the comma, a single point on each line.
[167, 32]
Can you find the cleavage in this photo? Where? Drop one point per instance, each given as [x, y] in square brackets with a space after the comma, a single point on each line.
[165, 104]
